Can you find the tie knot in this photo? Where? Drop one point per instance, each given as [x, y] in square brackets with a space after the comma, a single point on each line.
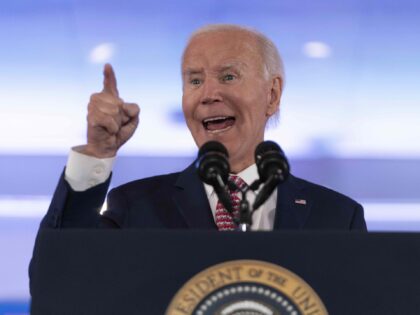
[239, 182]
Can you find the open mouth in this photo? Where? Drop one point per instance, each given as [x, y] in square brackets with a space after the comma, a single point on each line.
[220, 123]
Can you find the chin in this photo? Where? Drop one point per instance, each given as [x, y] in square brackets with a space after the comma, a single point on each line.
[232, 149]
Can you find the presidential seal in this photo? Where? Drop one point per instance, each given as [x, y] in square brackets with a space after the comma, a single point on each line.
[246, 287]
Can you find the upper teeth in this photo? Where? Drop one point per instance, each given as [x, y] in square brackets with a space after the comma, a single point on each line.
[214, 118]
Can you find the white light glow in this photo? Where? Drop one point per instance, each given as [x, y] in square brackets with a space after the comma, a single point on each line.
[102, 53]
[316, 50]
[24, 206]
[392, 212]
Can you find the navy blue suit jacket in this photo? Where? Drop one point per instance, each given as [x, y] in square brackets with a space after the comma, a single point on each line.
[179, 201]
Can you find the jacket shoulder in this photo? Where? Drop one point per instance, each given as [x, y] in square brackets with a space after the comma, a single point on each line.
[138, 203]
[147, 185]
[323, 193]
[331, 209]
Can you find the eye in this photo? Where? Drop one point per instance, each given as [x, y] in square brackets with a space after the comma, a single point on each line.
[228, 77]
[195, 81]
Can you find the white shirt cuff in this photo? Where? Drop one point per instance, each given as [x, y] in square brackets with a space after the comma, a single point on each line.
[84, 171]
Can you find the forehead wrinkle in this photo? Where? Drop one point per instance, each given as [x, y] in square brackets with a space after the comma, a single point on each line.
[230, 65]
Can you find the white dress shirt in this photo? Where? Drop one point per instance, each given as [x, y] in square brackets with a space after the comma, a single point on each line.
[263, 218]
[84, 172]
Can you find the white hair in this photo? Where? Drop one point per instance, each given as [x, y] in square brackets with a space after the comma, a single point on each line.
[272, 61]
[273, 64]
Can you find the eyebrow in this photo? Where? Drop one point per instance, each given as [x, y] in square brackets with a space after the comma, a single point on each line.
[191, 71]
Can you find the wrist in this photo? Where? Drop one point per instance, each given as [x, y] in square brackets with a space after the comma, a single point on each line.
[93, 151]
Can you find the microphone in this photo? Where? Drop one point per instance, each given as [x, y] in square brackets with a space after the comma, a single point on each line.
[213, 169]
[273, 169]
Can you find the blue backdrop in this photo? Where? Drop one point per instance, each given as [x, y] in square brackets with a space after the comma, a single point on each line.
[350, 114]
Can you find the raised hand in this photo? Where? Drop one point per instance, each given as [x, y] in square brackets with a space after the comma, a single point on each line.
[111, 121]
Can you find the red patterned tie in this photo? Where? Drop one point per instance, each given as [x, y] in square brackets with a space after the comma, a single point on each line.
[224, 219]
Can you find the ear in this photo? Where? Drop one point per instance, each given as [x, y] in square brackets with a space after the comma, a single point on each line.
[274, 96]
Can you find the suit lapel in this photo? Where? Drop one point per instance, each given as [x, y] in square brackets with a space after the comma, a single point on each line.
[191, 200]
[293, 206]
[292, 209]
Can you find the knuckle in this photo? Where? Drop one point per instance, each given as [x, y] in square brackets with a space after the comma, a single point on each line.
[115, 110]
[91, 122]
[90, 105]
[92, 112]
[94, 96]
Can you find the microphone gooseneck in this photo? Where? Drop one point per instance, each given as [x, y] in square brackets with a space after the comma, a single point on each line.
[213, 168]
[273, 168]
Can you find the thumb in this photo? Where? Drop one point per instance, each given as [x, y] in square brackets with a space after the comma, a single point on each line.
[131, 109]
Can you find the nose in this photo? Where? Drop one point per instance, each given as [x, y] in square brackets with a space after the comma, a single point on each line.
[210, 92]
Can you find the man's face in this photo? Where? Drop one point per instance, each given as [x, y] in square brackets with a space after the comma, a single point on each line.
[225, 95]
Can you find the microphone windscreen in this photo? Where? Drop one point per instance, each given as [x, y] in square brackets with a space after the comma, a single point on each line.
[270, 159]
[213, 146]
[212, 162]
[267, 146]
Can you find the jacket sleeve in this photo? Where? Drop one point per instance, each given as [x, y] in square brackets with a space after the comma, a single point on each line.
[72, 209]
[358, 222]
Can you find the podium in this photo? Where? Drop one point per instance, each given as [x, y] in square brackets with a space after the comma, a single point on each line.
[140, 271]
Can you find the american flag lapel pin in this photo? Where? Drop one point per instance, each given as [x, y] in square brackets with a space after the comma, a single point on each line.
[300, 202]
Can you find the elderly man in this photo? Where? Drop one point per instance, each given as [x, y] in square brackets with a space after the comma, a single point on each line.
[232, 84]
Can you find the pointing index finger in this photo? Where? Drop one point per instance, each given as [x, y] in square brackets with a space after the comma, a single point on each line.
[110, 82]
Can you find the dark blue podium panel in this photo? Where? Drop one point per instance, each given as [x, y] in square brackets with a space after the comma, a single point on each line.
[139, 272]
